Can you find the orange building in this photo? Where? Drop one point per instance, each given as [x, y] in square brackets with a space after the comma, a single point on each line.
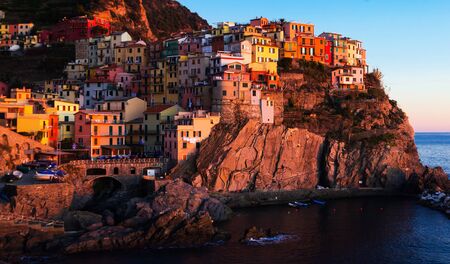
[294, 29]
[305, 47]
[319, 49]
[183, 138]
[100, 133]
[259, 22]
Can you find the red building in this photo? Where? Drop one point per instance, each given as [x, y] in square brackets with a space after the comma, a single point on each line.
[44, 37]
[72, 29]
[328, 60]
[53, 130]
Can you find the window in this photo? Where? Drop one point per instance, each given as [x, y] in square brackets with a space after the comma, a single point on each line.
[67, 128]
[184, 145]
[116, 171]
[66, 119]
[80, 129]
[110, 141]
[95, 141]
[224, 93]
[254, 92]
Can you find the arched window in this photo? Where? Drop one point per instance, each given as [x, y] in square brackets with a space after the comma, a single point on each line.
[116, 171]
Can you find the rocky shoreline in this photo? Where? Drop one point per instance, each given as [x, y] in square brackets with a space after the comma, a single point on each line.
[176, 216]
[436, 200]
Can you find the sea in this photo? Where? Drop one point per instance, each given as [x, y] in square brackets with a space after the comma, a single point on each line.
[434, 149]
[365, 230]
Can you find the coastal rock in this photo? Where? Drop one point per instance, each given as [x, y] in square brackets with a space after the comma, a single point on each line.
[262, 157]
[178, 215]
[254, 233]
[340, 141]
[192, 200]
[82, 220]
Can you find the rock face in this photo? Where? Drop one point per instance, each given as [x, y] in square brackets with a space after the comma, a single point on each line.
[333, 140]
[41, 201]
[263, 157]
[144, 19]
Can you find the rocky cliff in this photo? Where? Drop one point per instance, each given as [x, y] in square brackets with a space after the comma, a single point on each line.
[328, 139]
[145, 19]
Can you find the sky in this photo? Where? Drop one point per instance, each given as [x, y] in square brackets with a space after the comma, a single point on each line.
[408, 40]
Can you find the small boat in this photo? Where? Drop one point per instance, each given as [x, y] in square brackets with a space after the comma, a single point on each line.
[319, 202]
[293, 205]
[301, 204]
[18, 174]
[44, 175]
[298, 204]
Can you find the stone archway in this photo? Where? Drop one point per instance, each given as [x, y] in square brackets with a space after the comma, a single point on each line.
[106, 187]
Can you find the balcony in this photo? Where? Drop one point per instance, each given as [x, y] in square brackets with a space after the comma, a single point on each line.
[113, 122]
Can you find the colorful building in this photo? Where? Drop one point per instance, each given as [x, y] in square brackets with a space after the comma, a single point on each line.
[72, 29]
[132, 56]
[348, 78]
[183, 138]
[294, 29]
[100, 133]
[155, 118]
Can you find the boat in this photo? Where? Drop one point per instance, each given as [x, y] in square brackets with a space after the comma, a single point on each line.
[298, 204]
[18, 174]
[319, 202]
[301, 204]
[45, 175]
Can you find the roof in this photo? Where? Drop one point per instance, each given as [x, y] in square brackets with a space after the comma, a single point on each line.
[158, 108]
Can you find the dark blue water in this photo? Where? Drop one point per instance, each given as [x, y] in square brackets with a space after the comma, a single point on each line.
[434, 149]
[372, 230]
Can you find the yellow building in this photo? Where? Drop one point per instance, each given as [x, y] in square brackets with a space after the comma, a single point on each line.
[155, 118]
[39, 127]
[184, 137]
[10, 109]
[21, 94]
[263, 50]
[171, 80]
[4, 30]
[222, 28]
[131, 55]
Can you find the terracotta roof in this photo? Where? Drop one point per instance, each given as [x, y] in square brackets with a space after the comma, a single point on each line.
[157, 108]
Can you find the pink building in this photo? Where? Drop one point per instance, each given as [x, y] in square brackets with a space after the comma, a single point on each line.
[348, 78]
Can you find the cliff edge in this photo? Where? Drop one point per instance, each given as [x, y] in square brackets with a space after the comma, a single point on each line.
[327, 138]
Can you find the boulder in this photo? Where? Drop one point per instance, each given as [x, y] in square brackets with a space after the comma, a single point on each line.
[255, 233]
[82, 220]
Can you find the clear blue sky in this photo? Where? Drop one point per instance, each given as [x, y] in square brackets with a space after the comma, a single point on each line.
[408, 40]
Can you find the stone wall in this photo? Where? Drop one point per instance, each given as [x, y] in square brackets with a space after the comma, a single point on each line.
[45, 201]
[16, 149]
[290, 81]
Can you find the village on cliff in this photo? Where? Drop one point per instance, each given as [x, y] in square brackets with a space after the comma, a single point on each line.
[124, 98]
